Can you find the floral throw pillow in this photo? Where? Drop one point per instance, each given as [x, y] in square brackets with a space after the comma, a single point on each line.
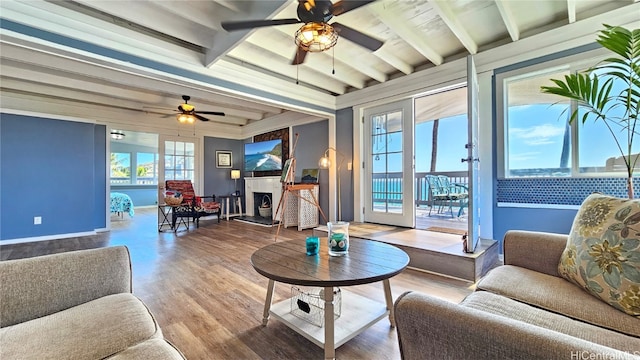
[603, 251]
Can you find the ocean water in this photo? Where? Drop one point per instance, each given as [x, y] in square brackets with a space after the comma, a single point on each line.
[261, 162]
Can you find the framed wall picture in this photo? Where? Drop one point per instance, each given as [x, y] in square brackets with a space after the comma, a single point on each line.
[223, 159]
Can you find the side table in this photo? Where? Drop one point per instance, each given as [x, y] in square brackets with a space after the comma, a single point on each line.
[236, 200]
[164, 217]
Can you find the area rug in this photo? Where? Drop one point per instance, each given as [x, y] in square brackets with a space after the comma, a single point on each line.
[446, 230]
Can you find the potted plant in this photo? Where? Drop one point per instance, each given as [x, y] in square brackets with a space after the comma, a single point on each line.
[592, 90]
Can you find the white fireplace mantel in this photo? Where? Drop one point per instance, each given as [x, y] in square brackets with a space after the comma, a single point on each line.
[265, 184]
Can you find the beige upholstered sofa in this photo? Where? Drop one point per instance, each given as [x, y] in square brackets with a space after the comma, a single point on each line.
[521, 310]
[76, 305]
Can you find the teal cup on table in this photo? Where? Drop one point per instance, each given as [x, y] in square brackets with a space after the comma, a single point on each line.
[313, 243]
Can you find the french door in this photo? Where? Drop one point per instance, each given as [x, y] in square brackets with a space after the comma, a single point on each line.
[389, 164]
[473, 233]
[178, 159]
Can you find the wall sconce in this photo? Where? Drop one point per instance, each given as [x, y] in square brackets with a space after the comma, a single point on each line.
[325, 163]
[235, 175]
[117, 134]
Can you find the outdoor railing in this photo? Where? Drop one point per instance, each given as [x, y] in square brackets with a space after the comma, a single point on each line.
[388, 187]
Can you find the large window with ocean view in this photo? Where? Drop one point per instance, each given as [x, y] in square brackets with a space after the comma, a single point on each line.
[537, 139]
[537, 132]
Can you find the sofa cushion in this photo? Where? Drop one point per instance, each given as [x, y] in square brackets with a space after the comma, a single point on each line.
[557, 295]
[152, 349]
[602, 254]
[503, 306]
[92, 330]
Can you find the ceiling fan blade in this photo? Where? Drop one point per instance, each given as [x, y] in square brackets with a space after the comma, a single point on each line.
[201, 118]
[299, 56]
[250, 24]
[168, 115]
[344, 6]
[357, 37]
[217, 113]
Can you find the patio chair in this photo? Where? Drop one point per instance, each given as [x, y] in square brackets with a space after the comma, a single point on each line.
[455, 192]
[192, 207]
[438, 195]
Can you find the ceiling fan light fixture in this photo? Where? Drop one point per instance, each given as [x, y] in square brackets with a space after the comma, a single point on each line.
[186, 118]
[117, 134]
[316, 37]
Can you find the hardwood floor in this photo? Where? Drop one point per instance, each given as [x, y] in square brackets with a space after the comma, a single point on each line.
[208, 299]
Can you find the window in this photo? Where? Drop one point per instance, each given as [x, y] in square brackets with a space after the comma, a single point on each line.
[147, 168]
[605, 157]
[179, 160]
[538, 141]
[146, 165]
[120, 168]
[538, 136]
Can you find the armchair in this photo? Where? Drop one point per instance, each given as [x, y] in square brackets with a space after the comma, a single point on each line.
[192, 206]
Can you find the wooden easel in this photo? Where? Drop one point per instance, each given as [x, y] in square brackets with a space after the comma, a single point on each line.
[290, 188]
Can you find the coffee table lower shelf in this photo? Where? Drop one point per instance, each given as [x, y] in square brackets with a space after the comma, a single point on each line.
[358, 314]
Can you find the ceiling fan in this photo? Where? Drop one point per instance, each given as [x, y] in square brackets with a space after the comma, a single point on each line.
[187, 112]
[315, 14]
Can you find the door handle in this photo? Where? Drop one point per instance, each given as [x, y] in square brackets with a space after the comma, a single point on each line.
[469, 159]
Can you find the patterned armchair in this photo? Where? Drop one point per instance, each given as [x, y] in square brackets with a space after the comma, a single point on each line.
[192, 206]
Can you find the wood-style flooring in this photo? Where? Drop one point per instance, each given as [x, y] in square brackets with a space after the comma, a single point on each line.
[208, 299]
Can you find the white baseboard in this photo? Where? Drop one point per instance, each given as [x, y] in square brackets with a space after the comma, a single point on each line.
[47, 237]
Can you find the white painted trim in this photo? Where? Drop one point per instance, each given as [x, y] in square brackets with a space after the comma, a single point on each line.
[537, 206]
[358, 150]
[47, 237]
[485, 154]
[45, 115]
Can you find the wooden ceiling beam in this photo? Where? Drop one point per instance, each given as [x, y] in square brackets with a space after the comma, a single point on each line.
[571, 11]
[397, 24]
[504, 7]
[250, 54]
[443, 8]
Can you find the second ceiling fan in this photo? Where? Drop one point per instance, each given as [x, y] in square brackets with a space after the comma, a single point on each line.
[316, 34]
[187, 112]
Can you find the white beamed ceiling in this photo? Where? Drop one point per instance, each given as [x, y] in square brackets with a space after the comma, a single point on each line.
[127, 63]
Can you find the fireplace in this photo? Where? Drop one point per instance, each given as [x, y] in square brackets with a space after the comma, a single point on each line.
[260, 198]
[256, 188]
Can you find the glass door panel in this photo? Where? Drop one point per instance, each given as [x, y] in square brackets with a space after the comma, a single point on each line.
[389, 164]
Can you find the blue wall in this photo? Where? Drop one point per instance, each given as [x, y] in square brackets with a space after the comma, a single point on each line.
[312, 142]
[344, 144]
[217, 181]
[100, 176]
[49, 168]
[548, 220]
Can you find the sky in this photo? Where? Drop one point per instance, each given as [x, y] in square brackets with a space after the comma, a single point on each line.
[536, 135]
[452, 136]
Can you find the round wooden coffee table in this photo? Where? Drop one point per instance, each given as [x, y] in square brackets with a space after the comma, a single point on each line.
[367, 262]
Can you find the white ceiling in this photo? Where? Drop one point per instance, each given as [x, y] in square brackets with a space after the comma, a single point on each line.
[133, 59]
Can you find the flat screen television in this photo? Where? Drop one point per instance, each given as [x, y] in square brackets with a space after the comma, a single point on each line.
[263, 155]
